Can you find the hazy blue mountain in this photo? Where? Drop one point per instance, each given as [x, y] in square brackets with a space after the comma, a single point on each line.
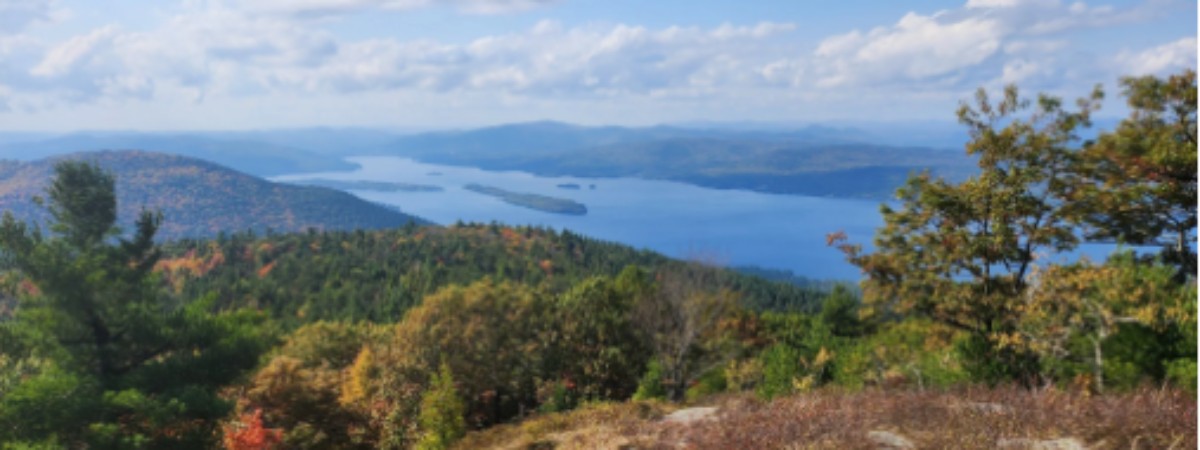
[320, 140]
[253, 157]
[813, 160]
[199, 198]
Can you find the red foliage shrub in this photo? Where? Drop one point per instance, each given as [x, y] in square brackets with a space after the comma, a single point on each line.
[248, 433]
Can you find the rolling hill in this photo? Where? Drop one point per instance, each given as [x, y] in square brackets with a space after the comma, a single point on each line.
[199, 198]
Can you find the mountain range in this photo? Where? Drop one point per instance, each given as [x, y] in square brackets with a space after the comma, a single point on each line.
[814, 160]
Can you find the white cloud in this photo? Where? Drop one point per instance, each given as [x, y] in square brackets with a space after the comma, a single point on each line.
[218, 51]
[983, 41]
[1160, 60]
[320, 8]
[75, 52]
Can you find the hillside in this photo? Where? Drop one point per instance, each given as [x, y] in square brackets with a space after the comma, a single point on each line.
[199, 198]
[378, 275]
[805, 162]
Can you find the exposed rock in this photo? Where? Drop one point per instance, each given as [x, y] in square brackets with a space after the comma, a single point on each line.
[689, 415]
[890, 440]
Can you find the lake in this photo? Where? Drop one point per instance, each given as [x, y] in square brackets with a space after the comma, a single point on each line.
[730, 227]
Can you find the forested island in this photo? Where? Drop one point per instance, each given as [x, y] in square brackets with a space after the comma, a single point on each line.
[369, 185]
[532, 201]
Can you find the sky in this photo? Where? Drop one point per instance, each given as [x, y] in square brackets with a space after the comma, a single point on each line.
[68, 65]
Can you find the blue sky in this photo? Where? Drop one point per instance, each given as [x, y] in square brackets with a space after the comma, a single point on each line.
[226, 64]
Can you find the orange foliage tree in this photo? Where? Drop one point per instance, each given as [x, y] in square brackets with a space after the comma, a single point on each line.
[248, 433]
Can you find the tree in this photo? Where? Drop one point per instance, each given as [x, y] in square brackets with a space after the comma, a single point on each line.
[960, 253]
[250, 434]
[682, 319]
[840, 312]
[494, 336]
[441, 413]
[1139, 181]
[1090, 303]
[127, 369]
[602, 353]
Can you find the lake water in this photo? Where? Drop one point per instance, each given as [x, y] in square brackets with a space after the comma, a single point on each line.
[732, 227]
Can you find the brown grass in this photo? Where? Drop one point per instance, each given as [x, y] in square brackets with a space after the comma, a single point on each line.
[605, 425]
[973, 418]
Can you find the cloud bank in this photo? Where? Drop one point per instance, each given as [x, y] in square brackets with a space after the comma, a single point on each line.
[215, 49]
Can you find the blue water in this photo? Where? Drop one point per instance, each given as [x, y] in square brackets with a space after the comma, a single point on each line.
[729, 227]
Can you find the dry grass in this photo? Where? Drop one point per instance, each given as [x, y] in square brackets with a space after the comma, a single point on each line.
[965, 419]
[605, 425]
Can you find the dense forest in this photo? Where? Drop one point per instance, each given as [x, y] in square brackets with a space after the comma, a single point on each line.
[414, 337]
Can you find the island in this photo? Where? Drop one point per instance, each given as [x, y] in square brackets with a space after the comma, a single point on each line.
[571, 186]
[366, 185]
[532, 201]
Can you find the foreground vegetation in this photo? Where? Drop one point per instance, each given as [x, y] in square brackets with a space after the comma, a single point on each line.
[969, 418]
[412, 338]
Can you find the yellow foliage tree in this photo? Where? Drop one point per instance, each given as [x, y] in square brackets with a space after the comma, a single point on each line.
[1092, 302]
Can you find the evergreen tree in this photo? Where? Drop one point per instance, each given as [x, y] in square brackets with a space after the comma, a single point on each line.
[1139, 181]
[126, 369]
[960, 253]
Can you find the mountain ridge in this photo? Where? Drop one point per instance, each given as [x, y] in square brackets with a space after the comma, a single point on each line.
[200, 198]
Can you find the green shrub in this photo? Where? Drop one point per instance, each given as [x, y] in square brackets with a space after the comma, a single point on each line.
[442, 411]
[651, 386]
[780, 367]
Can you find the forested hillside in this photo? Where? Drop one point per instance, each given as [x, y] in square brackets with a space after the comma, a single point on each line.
[378, 275]
[199, 198]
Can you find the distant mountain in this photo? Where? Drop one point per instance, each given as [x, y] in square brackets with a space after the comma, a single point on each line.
[250, 156]
[319, 140]
[819, 161]
[199, 198]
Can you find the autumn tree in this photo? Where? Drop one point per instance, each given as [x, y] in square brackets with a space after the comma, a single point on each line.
[1071, 312]
[681, 318]
[127, 368]
[960, 253]
[249, 433]
[494, 337]
[1140, 180]
[306, 387]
